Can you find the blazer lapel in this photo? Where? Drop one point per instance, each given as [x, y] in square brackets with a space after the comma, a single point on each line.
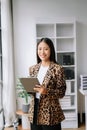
[36, 70]
[48, 75]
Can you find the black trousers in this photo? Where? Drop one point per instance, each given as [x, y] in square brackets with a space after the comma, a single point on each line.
[34, 126]
[45, 127]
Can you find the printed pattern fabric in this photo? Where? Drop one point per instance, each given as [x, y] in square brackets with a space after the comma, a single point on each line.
[49, 109]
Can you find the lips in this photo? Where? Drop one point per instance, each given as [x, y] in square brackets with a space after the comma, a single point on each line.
[42, 56]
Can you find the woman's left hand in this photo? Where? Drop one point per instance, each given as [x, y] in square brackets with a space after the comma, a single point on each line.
[40, 89]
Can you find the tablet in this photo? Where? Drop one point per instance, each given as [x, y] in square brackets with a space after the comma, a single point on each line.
[29, 83]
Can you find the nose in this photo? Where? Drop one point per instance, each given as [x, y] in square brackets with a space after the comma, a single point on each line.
[42, 51]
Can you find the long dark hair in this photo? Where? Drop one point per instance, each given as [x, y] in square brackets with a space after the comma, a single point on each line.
[52, 50]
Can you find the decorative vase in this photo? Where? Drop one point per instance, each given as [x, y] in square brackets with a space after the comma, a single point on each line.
[25, 108]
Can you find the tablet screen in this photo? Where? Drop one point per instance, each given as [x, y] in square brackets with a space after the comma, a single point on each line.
[29, 83]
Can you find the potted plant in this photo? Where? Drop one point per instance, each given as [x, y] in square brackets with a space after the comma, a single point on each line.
[22, 93]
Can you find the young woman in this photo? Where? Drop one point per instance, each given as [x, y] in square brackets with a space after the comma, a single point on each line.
[46, 114]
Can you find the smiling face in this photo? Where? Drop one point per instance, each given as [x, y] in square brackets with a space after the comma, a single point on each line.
[43, 51]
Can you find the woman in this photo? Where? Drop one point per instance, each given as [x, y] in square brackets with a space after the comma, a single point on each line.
[47, 113]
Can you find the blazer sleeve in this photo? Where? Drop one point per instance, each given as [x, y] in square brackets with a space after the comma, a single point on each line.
[60, 83]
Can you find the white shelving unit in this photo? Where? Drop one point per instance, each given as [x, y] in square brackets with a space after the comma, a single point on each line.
[63, 35]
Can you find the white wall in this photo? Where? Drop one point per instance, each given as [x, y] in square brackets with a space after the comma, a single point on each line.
[25, 13]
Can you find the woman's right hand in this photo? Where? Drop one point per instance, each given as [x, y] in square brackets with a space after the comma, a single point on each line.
[40, 89]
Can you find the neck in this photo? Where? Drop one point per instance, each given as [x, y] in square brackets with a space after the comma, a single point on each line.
[45, 63]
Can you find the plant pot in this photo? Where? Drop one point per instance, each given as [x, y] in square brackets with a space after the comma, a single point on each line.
[25, 108]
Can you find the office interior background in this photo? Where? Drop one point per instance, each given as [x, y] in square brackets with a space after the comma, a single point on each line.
[25, 14]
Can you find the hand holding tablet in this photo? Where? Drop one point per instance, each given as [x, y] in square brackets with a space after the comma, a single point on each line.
[40, 89]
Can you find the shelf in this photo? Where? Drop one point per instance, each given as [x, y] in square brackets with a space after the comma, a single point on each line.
[38, 38]
[25, 120]
[71, 94]
[65, 45]
[84, 92]
[20, 112]
[65, 38]
[45, 30]
[64, 30]
[68, 66]
[69, 108]
[69, 124]
[73, 51]
[71, 80]
[53, 39]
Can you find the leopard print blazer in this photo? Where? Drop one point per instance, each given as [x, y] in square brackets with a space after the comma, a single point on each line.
[49, 110]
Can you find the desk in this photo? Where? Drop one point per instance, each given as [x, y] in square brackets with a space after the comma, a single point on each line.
[25, 120]
[84, 92]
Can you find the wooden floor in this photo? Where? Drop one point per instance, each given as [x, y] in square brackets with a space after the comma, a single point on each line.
[82, 127]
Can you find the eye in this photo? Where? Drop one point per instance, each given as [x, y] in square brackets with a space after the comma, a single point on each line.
[39, 48]
[46, 48]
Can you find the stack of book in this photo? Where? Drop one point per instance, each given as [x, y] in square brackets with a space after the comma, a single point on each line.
[70, 87]
[70, 115]
[83, 82]
[65, 102]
